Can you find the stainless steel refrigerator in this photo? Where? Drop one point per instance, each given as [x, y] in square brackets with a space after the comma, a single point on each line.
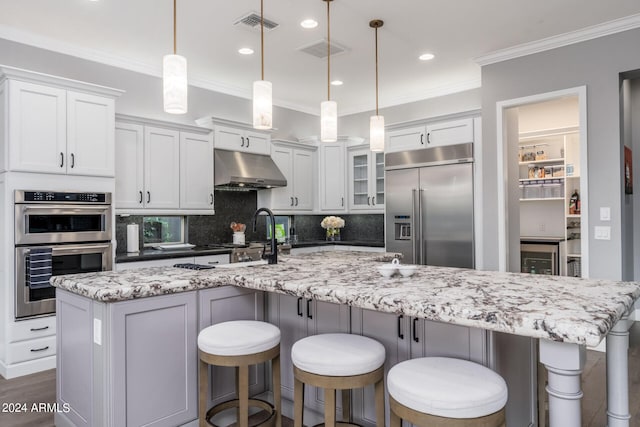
[429, 205]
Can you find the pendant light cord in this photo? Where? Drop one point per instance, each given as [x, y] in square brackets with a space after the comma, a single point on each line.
[174, 27]
[262, 38]
[328, 51]
[376, 28]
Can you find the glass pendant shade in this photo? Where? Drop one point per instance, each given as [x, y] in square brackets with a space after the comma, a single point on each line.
[174, 80]
[262, 105]
[328, 121]
[376, 134]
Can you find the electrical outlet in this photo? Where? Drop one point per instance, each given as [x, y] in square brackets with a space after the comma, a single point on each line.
[602, 233]
[605, 214]
[542, 226]
[97, 331]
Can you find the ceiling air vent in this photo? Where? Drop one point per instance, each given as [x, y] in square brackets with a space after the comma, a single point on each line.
[252, 21]
[319, 49]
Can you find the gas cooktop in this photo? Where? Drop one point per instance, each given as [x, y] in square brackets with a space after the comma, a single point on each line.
[192, 266]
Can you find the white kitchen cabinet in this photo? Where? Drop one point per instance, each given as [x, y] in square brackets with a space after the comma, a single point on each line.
[297, 164]
[162, 168]
[366, 179]
[332, 177]
[196, 171]
[236, 139]
[431, 134]
[55, 130]
[298, 318]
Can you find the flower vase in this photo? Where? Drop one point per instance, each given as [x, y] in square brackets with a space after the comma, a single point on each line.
[333, 234]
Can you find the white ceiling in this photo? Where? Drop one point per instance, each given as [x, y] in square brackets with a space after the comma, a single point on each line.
[137, 33]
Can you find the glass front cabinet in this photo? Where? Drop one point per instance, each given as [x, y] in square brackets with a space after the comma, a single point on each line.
[366, 179]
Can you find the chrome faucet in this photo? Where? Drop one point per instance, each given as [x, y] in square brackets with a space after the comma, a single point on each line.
[272, 257]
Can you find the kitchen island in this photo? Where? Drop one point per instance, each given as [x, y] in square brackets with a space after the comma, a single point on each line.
[565, 314]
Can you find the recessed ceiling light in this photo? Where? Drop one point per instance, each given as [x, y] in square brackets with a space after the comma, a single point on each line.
[426, 56]
[309, 23]
[337, 83]
[245, 51]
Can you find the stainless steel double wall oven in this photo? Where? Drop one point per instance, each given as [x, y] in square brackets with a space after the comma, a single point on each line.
[57, 233]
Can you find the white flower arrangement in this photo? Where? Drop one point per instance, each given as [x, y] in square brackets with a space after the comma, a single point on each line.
[332, 222]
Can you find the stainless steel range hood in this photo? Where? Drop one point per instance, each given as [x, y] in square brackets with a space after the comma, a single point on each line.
[246, 170]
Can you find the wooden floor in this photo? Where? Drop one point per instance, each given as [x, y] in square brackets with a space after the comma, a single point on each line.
[41, 387]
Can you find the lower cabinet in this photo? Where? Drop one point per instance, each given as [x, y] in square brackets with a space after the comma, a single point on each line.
[297, 318]
[135, 362]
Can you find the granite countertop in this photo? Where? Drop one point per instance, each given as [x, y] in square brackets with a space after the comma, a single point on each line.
[574, 310]
[154, 254]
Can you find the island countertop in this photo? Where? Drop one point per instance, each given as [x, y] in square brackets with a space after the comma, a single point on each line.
[564, 309]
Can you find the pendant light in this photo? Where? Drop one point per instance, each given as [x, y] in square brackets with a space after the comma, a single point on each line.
[262, 91]
[376, 123]
[328, 108]
[174, 78]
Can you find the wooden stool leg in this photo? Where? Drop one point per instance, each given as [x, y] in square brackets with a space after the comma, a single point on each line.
[202, 395]
[243, 395]
[298, 402]
[237, 376]
[329, 407]
[394, 419]
[275, 379]
[346, 405]
[379, 403]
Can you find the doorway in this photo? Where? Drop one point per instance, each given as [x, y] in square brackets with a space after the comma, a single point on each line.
[542, 177]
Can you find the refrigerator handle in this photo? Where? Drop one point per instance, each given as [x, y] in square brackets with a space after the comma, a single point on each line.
[421, 220]
[414, 241]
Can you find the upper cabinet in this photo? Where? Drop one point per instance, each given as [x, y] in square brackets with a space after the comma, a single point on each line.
[366, 179]
[332, 183]
[162, 167]
[297, 163]
[236, 136]
[431, 134]
[57, 125]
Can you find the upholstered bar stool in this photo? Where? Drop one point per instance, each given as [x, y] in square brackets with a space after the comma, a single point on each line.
[337, 362]
[446, 392]
[240, 344]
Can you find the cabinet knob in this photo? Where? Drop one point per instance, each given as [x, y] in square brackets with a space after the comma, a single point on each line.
[415, 332]
[141, 196]
[296, 201]
[39, 329]
[422, 138]
[342, 201]
[428, 137]
[291, 201]
[309, 315]
[242, 145]
[400, 333]
[368, 201]
[73, 160]
[247, 142]
[34, 350]
[148, 197]
[61, 159]
[211, 195]
[373, 200]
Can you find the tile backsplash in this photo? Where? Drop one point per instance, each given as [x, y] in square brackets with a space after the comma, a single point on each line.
[232, 206]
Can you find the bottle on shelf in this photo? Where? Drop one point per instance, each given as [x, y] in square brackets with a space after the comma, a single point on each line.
[574, 203]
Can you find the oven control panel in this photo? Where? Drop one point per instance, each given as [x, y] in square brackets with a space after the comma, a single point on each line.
[22, 196]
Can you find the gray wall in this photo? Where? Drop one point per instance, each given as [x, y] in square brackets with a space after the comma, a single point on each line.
[143, 96]
[597, 64]
[358, 124]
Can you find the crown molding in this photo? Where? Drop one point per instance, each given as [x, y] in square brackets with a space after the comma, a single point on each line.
[126, 118]
[607, 28]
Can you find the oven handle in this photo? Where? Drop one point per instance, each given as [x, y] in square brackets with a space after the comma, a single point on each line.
[65, 207]
[74, 249]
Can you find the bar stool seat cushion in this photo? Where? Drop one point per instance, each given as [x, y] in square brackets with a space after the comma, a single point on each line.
[238, 338]
[337, 355]
[447, 387]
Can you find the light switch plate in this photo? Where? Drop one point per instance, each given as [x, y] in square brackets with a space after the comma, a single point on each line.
[605, 214]
[97, 331]
[602, 232]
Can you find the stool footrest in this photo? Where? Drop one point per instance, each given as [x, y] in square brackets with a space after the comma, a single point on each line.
[256, 403]
[340, 424]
